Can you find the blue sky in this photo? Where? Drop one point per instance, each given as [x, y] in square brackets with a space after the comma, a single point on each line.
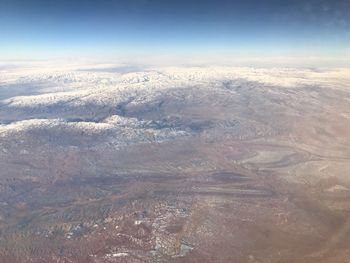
[112, 28]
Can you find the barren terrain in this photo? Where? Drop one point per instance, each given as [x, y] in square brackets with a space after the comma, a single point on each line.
[101, 163]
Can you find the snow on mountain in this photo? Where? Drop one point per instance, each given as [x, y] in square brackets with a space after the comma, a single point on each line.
[94, 102]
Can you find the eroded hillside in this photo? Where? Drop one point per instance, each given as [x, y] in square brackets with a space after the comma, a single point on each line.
[174, 165]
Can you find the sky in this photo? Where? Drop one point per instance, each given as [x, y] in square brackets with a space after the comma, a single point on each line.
[39, 29]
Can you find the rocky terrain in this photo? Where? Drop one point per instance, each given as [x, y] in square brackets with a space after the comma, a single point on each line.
[106, 163]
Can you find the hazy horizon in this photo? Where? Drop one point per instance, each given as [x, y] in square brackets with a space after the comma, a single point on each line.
[39, 29]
